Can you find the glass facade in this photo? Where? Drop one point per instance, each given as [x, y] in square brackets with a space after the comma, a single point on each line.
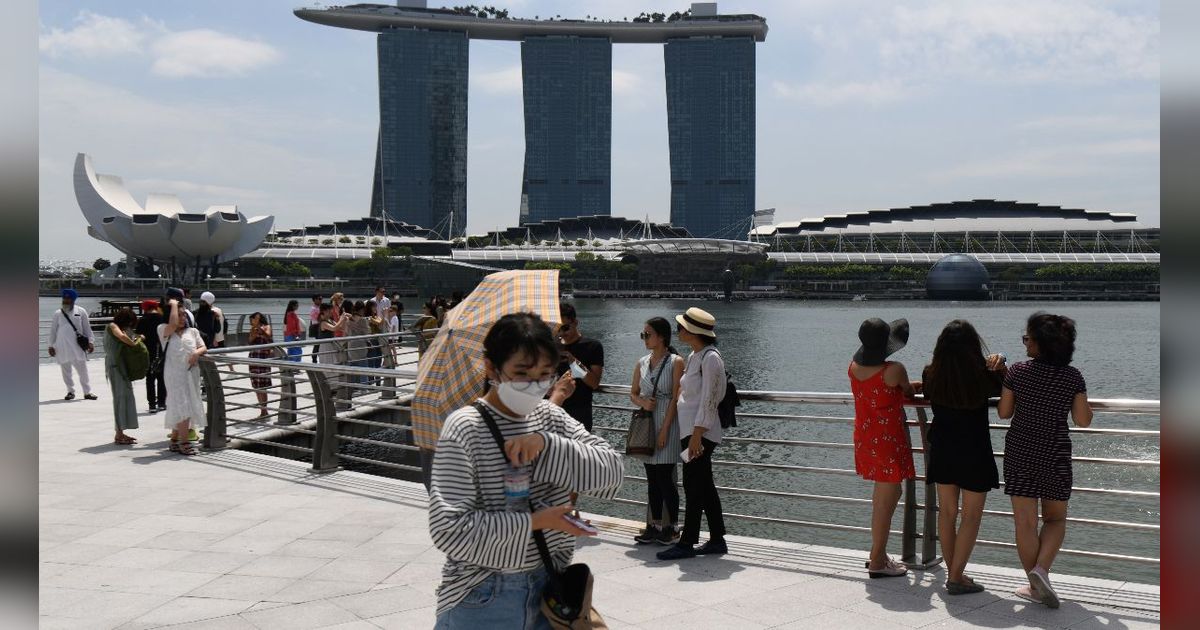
[421, 157]
[567, 84]
[710, 122]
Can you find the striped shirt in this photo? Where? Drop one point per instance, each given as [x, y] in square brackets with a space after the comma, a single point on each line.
[467, 517]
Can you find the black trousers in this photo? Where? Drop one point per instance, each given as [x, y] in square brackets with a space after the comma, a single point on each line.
[156, 389]
[701, 493]
[313, 329]
[660, 490]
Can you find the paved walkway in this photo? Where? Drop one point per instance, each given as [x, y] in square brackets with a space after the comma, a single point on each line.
[135, 537]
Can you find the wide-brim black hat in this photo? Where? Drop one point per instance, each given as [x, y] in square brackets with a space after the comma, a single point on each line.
[880, 340]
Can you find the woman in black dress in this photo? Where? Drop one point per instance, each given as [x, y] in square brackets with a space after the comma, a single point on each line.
[1037, 395]
[957, 384]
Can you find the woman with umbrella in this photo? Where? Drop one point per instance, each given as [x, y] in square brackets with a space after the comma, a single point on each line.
[488, 506]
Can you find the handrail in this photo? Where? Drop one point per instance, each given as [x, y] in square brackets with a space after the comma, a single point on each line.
[345, 402]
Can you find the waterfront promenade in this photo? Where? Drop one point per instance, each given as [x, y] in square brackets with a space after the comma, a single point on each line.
[134, 537]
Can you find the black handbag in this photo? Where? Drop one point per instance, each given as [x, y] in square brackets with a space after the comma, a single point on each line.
[641, 439]
[567, 598]
[83, 342]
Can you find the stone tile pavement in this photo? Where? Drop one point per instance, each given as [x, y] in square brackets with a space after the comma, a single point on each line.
[136, 537]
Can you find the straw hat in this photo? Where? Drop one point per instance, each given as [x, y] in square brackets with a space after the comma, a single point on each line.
[698, 322]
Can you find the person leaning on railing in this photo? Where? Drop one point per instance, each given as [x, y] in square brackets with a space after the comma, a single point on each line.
[293, 330]
[882, 452]
[1038, 394]
[958, 383]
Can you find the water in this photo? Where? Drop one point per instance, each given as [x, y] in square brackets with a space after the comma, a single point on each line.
[806, 346]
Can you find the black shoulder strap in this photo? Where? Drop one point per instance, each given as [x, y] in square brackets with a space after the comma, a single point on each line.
[71, 323]
[538, 536]
[658, 377]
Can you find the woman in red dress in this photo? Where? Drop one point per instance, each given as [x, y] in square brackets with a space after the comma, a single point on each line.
[882, 451]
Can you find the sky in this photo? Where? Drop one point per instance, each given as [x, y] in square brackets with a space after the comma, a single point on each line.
[861, 104]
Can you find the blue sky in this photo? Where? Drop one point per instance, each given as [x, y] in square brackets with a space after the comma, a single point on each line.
[862, 104]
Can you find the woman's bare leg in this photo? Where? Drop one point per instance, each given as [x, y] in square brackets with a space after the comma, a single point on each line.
[883, 506]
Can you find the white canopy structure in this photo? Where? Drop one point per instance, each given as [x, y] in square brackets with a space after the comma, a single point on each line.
[163, 231]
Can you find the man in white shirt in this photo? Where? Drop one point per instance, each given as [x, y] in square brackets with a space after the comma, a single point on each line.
[66, 326]
[382, 304]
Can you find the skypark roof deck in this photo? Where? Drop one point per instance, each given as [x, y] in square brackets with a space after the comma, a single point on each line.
[379, 17]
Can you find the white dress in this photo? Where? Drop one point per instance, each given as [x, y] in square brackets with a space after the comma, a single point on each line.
[182, 381]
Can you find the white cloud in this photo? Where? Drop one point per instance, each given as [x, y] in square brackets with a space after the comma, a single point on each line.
[625, 82]
[1021, 41]
[207, 53]
[176, 54]
[94, 35]
[503, 81]
[1093, 159]
[1088, 123]
[819, 94]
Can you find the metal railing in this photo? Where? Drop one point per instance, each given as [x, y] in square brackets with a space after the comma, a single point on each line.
[354, 413]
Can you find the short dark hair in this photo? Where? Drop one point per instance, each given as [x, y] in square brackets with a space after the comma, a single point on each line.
[1054, 335]
[567, 311]
[317, 296]
[516, 333]
[322, 309]
[125, 318]
[958, 377]
[378, 289]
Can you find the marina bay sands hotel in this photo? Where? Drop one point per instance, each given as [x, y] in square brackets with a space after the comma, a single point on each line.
[421, 158]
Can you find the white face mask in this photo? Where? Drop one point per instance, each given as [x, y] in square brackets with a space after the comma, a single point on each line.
[522, 397]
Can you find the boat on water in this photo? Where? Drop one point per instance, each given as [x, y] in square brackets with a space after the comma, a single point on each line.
[567, 296]
[861, 297]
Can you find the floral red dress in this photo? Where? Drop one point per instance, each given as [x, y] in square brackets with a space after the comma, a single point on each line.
[882, 451]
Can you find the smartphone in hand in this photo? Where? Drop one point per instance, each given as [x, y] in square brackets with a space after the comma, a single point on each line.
[581, 524]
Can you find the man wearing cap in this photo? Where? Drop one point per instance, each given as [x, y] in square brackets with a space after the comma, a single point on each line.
[67, 326]
[219, 332]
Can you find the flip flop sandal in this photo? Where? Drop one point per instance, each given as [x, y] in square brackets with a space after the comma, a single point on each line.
[1026, 594]
[186, 449]
[1042, 589]
[174, 448]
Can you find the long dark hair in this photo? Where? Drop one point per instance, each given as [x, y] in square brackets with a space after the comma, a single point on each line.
[292, 305]
[662, 328]
[516, 333]
[958, 377]
[261, 320]
[1055, 337]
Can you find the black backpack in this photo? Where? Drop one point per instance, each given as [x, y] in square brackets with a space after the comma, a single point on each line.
[725, 408]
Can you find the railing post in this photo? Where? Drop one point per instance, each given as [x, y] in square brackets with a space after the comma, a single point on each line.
[908, 535]
[287, 391]
[324, 446]
[929, 539]
[215, 427]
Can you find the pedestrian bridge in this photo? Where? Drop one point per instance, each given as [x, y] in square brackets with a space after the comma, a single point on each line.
[136, 537]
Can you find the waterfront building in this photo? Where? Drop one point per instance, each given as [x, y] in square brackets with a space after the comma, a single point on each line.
[567, 87]
[163, 232]
[995, 231]
[958, 277]
[710, 120]
[421, 157]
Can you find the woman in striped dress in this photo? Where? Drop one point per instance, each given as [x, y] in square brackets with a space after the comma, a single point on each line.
[1037, 395]
[656, 389]
[485, 504]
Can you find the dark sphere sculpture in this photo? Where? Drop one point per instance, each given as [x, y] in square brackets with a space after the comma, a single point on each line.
[958, 277]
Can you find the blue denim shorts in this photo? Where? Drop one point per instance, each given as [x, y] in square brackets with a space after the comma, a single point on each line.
[504, 600]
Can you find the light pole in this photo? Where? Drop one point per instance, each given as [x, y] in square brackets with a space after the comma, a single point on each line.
[208, 281]
[269, 286]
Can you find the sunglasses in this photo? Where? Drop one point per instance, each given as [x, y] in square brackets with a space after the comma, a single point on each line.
[1024, 338]
[644, 335]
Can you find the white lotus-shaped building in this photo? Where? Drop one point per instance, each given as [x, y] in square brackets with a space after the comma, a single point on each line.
[163, 230]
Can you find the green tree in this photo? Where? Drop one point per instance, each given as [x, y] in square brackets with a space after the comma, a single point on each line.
[344, 239]
[580, 242]
[327, 242]
[101, 264]
[381, 261]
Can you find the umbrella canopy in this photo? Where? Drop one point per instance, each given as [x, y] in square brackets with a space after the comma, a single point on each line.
[451, 373]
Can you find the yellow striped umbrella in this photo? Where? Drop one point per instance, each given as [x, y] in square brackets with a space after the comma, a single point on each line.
[451, 373]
